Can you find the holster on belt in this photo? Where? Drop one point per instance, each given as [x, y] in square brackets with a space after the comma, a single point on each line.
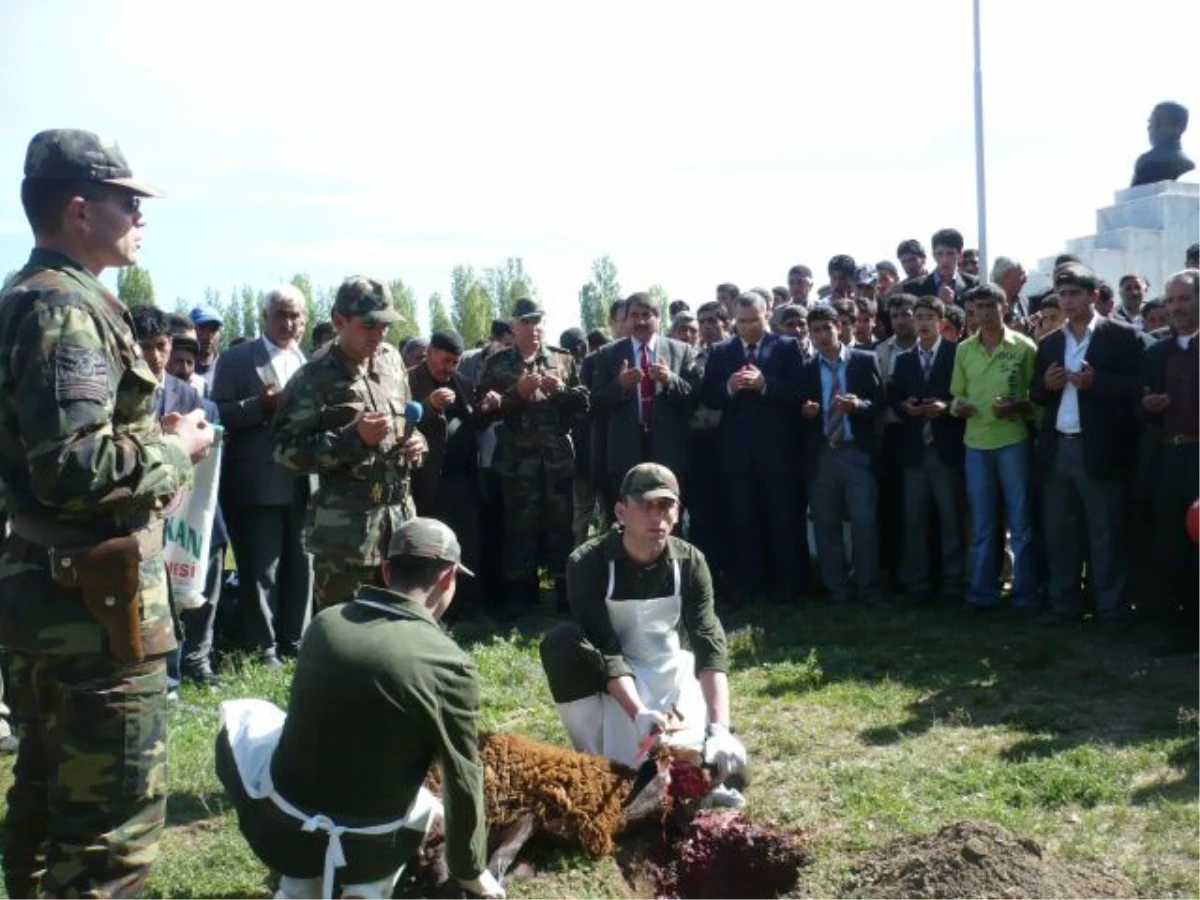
[108, 575]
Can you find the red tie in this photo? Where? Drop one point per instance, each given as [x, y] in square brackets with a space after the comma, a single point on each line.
[646, 391]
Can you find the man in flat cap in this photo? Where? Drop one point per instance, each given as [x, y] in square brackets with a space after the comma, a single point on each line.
[87, 472]
[380, 693]
[343, 418]
[539, 399]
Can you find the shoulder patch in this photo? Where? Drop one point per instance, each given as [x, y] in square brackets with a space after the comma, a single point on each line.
[80, 373]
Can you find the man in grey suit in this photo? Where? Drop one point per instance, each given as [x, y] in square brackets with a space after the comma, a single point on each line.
[644, 389]
[264, 503]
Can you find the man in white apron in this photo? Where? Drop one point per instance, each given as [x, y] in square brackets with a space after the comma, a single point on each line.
[617, 673]
[332, 792]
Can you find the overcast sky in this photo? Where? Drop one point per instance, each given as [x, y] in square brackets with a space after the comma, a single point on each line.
[694, 143]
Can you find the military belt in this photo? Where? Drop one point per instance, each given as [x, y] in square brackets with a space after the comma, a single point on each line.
[147, 530]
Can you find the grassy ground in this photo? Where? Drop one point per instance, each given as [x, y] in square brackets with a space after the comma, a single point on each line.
[862, 727]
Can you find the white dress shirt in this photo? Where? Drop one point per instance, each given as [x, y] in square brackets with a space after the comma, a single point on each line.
[284, 362]
[1068, 410]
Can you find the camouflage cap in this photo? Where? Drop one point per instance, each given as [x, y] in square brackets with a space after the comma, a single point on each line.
[527, 308]
[650, 481]
[68, 154]
[366, 297]
[427, 539]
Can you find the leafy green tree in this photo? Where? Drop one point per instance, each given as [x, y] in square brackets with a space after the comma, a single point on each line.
[134, 286]
[303, 283]
[473, 316]
[406, 304]
[598, 294]
[662, 300]
[506, 283]
[252, 311]
[438, 319]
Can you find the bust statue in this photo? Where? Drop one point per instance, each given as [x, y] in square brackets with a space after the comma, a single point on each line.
[1165, 160]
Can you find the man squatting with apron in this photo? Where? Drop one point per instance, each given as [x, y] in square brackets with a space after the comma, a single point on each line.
[333, 790]
[618, 674]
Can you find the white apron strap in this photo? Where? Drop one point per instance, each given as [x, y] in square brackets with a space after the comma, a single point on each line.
[678, 585]
[612, 580]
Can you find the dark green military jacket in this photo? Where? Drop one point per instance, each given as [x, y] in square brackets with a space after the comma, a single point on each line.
[380, 693]
[536, 432]
[587, 586]
[80, 447]
[364, 491]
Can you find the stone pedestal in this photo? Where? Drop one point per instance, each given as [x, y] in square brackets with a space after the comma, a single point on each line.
[1146, 230]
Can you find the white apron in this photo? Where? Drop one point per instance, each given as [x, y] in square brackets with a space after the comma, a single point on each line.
[254, 728]
[663, 672]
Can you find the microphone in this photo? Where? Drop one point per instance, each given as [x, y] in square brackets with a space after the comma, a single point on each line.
[412, 415]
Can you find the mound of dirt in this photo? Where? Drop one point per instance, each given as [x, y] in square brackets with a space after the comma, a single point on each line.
[977, 859]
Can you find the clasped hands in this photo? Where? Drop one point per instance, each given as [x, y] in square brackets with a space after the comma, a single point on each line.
[1056, 377]
[630, 376]
[928, 408]
[847, 403]
[374, 427]
[747, 378]
[531, 382]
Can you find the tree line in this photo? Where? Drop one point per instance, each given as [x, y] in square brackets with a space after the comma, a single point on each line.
[477, 296]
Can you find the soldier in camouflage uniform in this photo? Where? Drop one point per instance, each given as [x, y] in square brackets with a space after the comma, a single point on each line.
[85, 472]
[342, 418]
[540, 399]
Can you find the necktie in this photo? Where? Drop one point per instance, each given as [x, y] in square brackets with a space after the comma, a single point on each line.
[927, 367]
[834, 417]
[646, 391]
[751, 354]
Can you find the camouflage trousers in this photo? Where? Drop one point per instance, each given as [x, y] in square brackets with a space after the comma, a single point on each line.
[88, 800]
[336, 581]
[538, 510]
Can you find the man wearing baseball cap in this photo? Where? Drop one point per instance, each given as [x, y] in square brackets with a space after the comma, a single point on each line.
[617, 673]
[380, 693]
[208, 322]
[83, 454]
[343, 418]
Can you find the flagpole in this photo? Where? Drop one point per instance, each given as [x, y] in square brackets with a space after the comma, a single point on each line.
[980, 182]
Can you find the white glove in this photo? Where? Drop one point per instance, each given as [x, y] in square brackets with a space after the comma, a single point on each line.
[724, 751]
[648, 721]
[484, 885]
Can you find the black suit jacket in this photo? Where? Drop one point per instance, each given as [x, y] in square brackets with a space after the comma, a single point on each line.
[249, 474]
[1108, 411]
[758, 432]
[924, 286]
[673, 404]
[864, 382]
[908, 380]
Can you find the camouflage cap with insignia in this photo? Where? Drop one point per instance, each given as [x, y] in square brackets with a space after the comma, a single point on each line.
[650, 481]
[366, 297]
[68, 154]
[527, 308]
[427, 539]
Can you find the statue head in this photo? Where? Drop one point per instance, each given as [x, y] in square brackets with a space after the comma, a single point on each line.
[1167, 123]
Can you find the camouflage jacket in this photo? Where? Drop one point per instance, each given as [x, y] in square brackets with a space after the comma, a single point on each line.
[80, 447]
[534, 432]
[364, 492]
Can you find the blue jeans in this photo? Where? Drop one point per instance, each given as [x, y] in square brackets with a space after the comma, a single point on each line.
[988, 473]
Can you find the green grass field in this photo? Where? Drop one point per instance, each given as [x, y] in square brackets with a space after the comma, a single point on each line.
[862, 727]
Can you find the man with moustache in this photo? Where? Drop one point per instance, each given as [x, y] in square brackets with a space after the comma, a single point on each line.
[540, 397]
[342, 418]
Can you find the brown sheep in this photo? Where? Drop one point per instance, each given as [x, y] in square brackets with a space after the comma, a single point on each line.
[583, 799]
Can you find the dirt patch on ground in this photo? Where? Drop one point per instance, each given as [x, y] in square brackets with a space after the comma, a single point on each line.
[978, 859]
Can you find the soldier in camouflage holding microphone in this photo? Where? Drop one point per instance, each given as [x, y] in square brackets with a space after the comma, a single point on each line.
[342, 418]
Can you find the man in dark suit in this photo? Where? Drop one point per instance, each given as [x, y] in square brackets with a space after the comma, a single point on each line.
[264, 504]
[931, 454]
[1171, 380]
[644, 386]
[1087, 376]
[841, 397]
[754, 379]
[597, 427]
[945, 282]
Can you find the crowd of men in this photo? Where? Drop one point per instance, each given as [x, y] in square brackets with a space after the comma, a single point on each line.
[1053, 435]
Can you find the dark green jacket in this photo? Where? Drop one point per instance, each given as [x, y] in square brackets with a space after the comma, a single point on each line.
[377, 697]
[587, 583]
